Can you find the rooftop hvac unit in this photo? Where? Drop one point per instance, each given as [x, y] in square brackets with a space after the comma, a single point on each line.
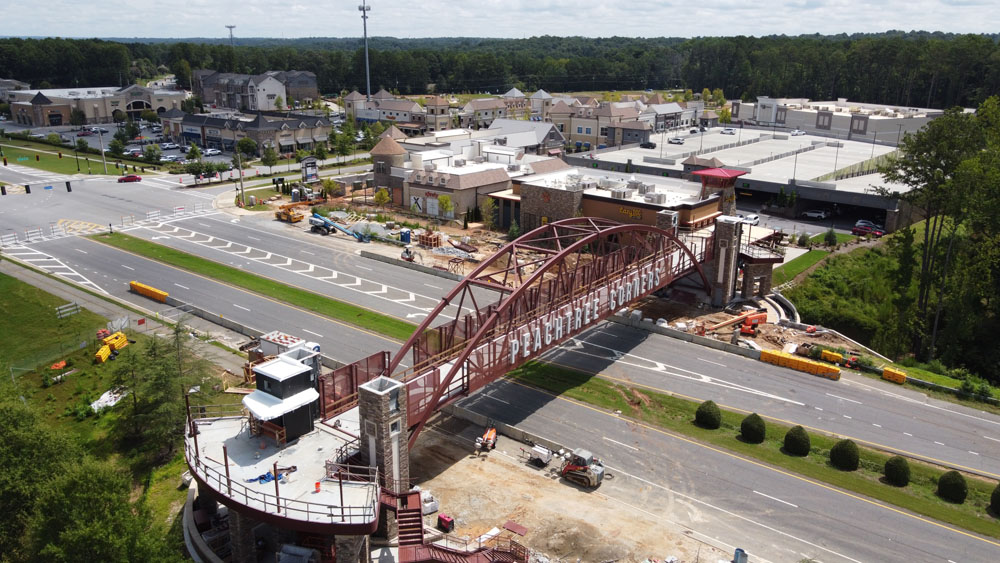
[657, 198]
[634, 184]
[671, 218]
[620, 193]
[574, 177]
[588, 184]
[513, 167]
[479, 160]
[459, 162]
[429, 167]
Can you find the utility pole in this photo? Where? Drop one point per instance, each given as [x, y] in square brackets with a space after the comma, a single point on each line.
[230, 27]
[364, 8]
[243, 191]
[104, 158]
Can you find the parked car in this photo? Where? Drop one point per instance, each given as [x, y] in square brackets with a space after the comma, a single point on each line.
[694, 131]
[675, 141]
[99, 130]
[130, 178]
[862, 230]
[751, 219]
[212, 152]
[168, 146]
[867, 223]
[797, 132]
[815, 214]
[85, 133]
[647, 145]
[729, 131]
[184, 148]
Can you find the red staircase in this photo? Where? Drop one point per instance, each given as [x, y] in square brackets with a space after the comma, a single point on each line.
[410, 520]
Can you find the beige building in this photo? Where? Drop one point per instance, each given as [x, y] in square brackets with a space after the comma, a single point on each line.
[285, 132]
[43, 108]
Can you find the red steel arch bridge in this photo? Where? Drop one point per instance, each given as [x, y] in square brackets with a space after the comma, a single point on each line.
[547, 286]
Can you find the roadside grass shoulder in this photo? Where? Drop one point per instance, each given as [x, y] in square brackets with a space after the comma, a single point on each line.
[358, 316]
[676, 415]
[787, 272]
[841, 238]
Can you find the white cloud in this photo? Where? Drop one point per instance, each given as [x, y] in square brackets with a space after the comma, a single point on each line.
[497, 18]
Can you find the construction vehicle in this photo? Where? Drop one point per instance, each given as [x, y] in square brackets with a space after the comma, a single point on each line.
[409, 255]
[750, 327]
[323, 225]
[582, 468]
[488, 441]
[288, 213]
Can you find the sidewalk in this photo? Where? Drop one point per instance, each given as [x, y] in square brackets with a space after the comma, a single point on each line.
[111, 311]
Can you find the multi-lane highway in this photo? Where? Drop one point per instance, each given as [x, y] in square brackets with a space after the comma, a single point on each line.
[778, 516]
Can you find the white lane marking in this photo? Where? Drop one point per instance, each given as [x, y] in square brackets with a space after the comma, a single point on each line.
[312, 333]
[907, 434]
[939, 443]
[923, 404]
[988, 438]
[434, 286]
[728, 513]
[307, 252]
[252, 238]
[241, 307]
[128, 267]
[711, 362]
[621, 444]
[973, 453]
[365, 268]
[181, 286]
[78, 250]
[777, 499]
[818, 408]
[843, 398]
[876, 425]
[498, 400]
[845, 416]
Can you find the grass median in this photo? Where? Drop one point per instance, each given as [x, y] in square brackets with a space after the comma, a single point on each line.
[677, 415]
[384, 325]
[787, 271]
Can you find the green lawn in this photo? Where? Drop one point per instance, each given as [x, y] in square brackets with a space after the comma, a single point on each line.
[675, 415]
[841, 238]
[49, 162]
[384, 325]
[23, 306]
[787, 271]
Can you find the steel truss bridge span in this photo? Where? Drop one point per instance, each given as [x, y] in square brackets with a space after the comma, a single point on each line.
[540, 290]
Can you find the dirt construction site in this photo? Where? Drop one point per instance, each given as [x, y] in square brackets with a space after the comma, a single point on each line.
[561, 521]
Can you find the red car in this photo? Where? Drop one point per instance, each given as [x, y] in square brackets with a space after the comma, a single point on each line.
[85, 133]
[130, 178]
[862, 230]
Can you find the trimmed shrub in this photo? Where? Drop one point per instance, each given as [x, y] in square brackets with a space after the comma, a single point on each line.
[897, 471]
[995, 500]
[844, 455]
[708, 415]
[753, 429]
[952, 487]
[797, 442]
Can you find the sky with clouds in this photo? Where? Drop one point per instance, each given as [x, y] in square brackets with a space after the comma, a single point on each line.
[498, 18]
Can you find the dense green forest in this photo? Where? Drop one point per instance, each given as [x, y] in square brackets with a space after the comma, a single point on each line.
[914, 69]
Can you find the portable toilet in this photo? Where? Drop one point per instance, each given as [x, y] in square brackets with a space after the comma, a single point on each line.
[253, 201]
[404, 236]
[295, 195]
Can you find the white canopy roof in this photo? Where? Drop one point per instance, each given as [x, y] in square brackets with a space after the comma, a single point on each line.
[265, 406]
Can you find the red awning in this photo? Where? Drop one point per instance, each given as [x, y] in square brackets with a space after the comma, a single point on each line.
[719, 173]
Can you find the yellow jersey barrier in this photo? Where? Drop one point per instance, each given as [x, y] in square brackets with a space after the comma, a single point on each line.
[148, 291]
[799, 363]
[894, 375]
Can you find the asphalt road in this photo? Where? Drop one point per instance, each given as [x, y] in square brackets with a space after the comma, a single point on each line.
[772, 514]
[877, 412]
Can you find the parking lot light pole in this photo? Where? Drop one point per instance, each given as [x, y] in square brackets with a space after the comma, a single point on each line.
[104, 158]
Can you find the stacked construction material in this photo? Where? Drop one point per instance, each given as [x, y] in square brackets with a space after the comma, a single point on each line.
[112, 344]
[148, 291]
[802, 364]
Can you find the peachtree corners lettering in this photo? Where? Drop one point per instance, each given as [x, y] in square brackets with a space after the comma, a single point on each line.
[569, 319]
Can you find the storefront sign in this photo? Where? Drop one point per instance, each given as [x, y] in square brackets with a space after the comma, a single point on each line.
[630, 212]
[537, 335]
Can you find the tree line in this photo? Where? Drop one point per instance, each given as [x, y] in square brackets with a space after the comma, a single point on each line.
[911, 69]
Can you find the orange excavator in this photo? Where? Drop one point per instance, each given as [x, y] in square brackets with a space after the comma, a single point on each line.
[751, 323]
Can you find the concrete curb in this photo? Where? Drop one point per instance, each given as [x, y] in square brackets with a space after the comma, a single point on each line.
[411, 266]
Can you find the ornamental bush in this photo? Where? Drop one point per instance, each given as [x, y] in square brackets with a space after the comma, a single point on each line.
[952, 487]
[753, 429]
[897, 471]
[708, 415]
[797, 442]
[844, 455]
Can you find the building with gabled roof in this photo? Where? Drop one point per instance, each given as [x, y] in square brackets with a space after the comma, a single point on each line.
[253, 92]
[285, 132]
[54, 106]
[480, 113]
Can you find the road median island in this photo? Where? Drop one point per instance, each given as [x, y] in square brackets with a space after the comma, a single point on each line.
[361, 317]
[674, 415]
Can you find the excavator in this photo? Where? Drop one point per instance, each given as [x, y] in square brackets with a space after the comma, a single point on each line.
[488, 440]
[582, 468]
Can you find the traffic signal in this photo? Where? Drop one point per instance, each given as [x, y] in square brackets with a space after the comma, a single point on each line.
[27, 189]
[3, 190]
[68, 187]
